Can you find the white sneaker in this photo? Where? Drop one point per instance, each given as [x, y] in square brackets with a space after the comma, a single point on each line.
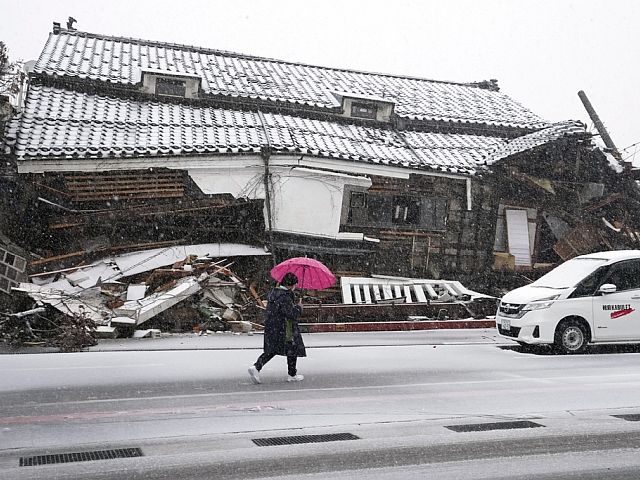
[296, 378]
[254, 374]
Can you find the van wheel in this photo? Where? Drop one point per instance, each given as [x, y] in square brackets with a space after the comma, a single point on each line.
[571, 337]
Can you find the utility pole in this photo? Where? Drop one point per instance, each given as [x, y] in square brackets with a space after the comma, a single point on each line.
[600, 126]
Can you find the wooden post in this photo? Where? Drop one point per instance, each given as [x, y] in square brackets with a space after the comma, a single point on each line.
[599, 125]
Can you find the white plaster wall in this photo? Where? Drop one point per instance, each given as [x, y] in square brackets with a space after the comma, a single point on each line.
[304, 200]
[244, 182]
[308, 201]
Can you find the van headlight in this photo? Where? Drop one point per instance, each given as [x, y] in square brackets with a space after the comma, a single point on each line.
[540, 304]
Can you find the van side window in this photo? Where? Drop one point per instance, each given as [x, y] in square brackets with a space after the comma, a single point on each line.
[588, 286]
[625, 275]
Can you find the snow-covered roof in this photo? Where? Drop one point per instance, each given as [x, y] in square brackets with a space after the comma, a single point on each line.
[81, 55]
[60, 123]
[507, 148]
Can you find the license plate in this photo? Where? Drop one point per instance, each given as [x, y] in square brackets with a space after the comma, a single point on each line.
[506, 324]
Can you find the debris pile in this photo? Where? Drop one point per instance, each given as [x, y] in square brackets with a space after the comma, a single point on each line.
[387, 298]
[169, 289]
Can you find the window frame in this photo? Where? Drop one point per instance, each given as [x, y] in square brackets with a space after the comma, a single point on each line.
[371, 110]
[161, 82]
[379, 211]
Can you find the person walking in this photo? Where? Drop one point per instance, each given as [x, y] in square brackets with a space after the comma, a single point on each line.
[281, 332]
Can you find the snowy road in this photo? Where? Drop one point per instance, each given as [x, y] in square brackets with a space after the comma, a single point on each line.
[197, 412]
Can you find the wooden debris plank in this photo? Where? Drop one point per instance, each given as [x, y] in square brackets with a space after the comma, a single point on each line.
[449, 289]
[407, 293]
[376, 293]
[356, 294]
[367, 294]
[420, 296]
[430, 290]
[346, 292]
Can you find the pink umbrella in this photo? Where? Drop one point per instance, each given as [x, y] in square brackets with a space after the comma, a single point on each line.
[312, 274]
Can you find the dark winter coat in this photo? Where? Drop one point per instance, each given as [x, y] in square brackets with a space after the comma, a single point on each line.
[281, 307]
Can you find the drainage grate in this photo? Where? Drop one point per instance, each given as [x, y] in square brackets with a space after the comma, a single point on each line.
[334, 437]
[80, 456]
[481, 427]
[629, 417]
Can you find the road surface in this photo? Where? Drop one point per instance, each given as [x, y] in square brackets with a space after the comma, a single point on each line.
[195, 414]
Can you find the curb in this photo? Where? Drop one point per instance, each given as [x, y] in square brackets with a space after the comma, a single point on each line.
[395, 326]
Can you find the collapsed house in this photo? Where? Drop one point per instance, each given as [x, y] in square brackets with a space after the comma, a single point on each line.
[120, 293]
[126, 144]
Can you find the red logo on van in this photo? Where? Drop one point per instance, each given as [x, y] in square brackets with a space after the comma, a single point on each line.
[622, 313]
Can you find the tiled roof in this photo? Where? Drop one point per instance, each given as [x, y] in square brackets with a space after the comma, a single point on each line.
[119, 60]
[507, 148]
[57, 123]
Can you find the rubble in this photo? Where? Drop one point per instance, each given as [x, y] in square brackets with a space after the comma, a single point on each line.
[188, 283]
[387, 298]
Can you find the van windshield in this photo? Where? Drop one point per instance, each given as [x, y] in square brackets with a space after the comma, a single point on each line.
[569, 273]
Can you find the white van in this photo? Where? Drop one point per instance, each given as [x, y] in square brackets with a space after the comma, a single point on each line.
[592, 298]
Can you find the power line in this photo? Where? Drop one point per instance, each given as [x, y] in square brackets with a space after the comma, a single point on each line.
[632, 145]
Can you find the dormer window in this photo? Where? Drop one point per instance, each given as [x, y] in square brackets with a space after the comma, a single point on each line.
[171, 84]
[171, 87]
[364, 110]
[366, 107]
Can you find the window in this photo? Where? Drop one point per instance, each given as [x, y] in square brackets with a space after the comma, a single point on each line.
[364, 110]
[168, 86]
[625, 275]
[358, 208]
[12, 273]
[358, 200]
[406, 211]
[379, 210]
[9, 258]
[588, 286]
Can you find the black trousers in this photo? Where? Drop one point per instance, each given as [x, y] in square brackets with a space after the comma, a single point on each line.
[265, 357]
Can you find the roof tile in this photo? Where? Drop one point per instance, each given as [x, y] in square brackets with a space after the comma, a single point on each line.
[112, 59]
[65, 123]
[507, 148]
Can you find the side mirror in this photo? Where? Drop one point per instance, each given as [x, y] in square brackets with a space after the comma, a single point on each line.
[608, 288]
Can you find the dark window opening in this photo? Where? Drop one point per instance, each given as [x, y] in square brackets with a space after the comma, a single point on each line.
[9, 258]
[168, 86]
[378, 210]
[406, 211]
[364, 110]
[358, 200]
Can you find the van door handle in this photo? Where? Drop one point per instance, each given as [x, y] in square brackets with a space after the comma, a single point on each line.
[635, 297]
